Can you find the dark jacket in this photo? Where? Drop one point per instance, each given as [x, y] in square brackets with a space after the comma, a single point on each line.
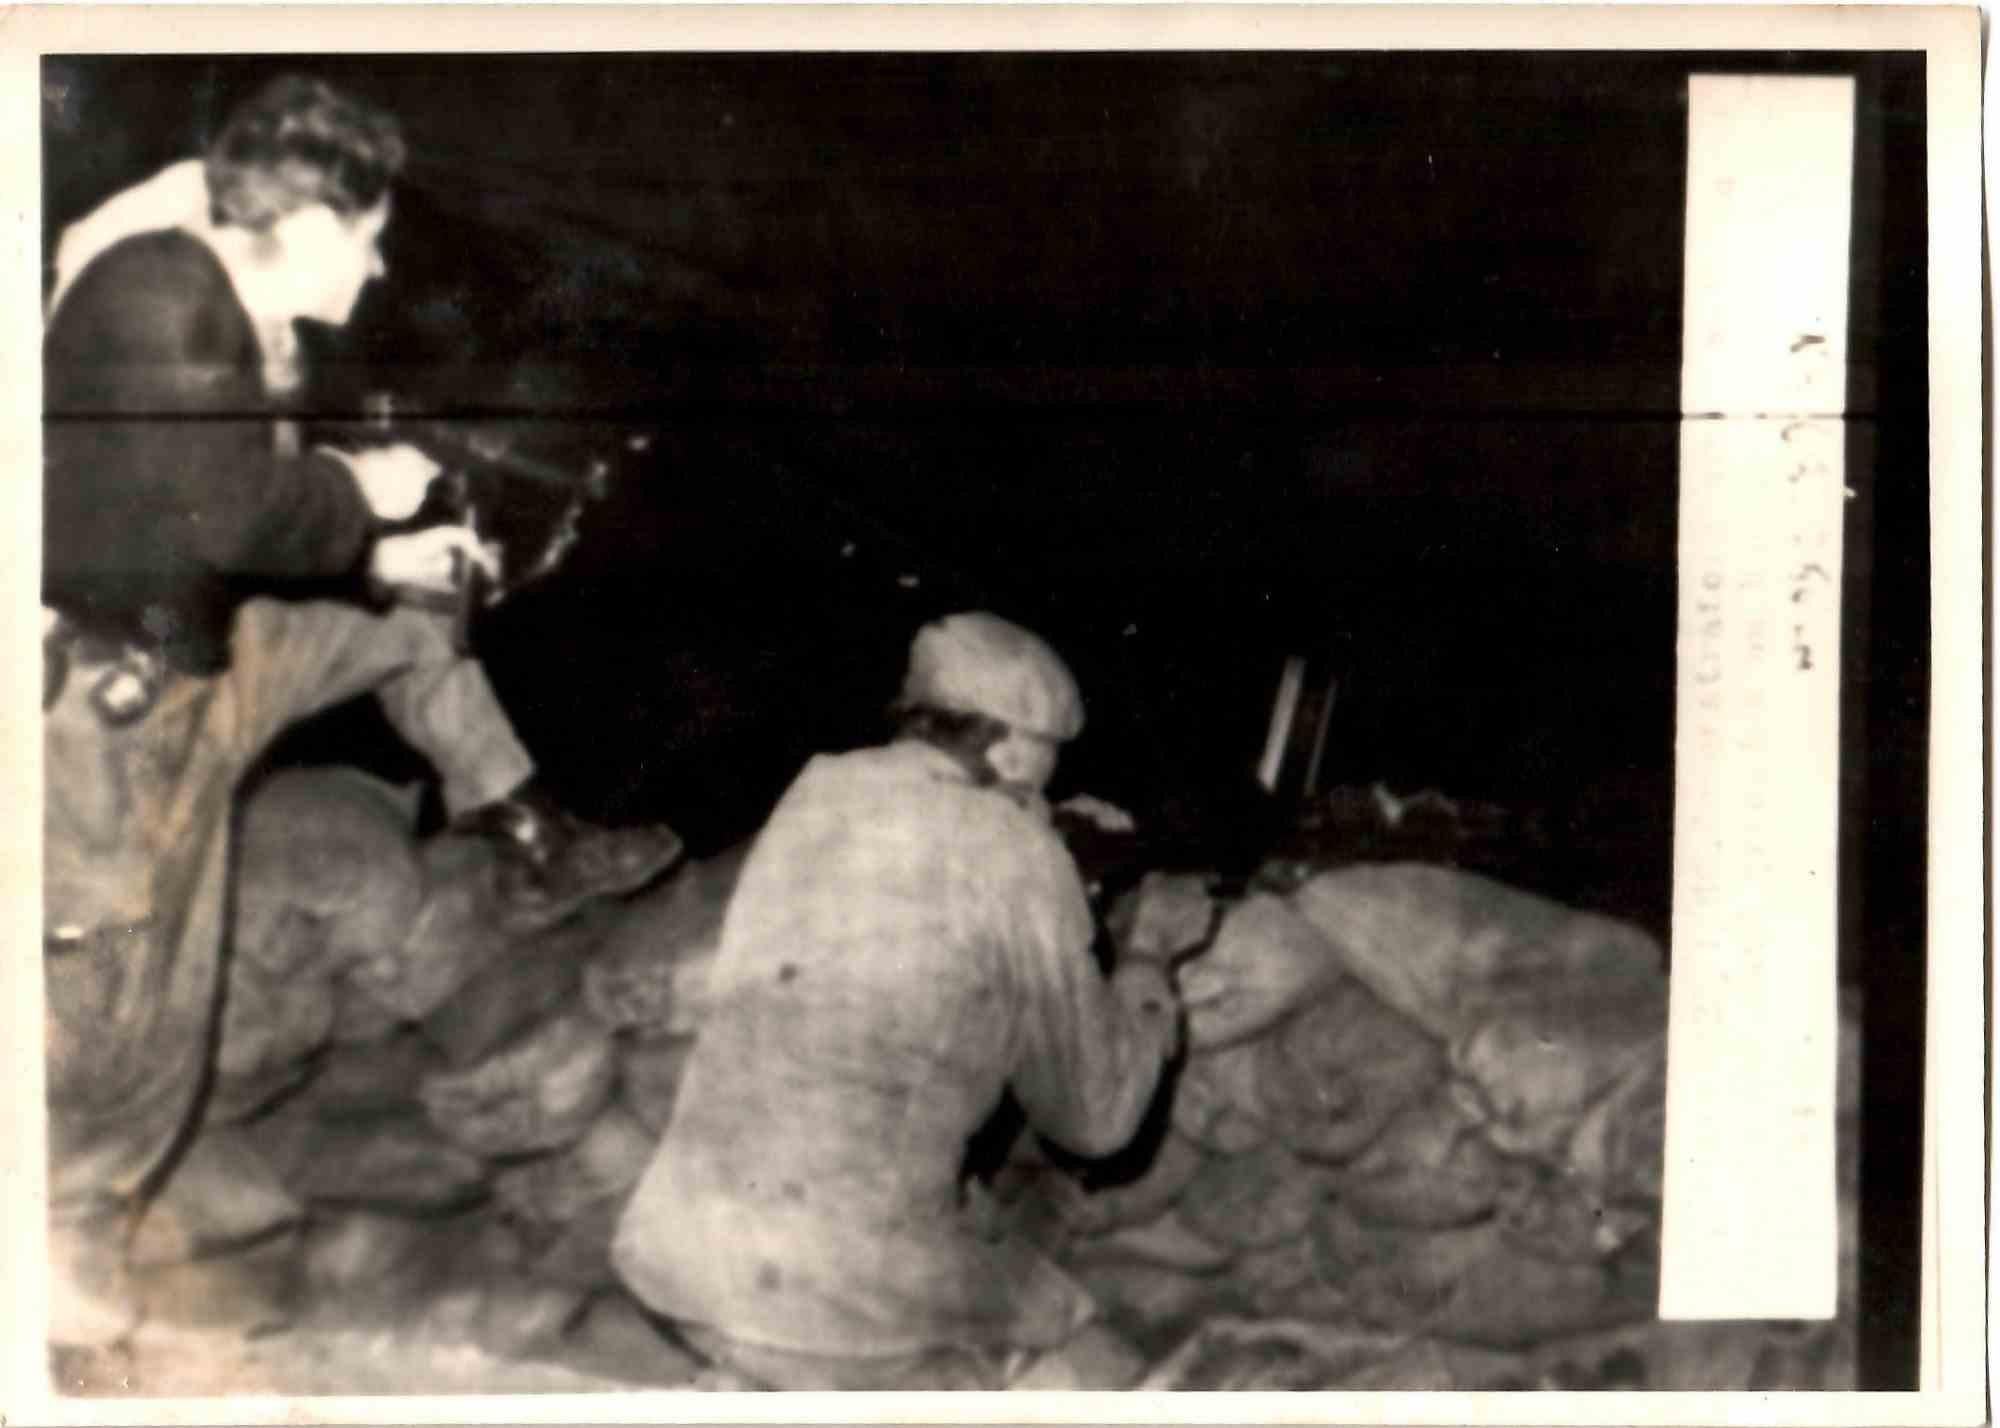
[165, 504]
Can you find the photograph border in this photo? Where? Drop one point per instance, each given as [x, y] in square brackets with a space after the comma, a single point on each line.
[1953, 1342]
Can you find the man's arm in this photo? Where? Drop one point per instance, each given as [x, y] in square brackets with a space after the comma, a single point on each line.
[1091, 1047]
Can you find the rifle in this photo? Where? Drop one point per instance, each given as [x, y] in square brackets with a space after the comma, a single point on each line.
[532, 506]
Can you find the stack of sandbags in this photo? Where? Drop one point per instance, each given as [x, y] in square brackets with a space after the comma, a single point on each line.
[1815, 1355]
[1553, 1018]
[1292, 1074]
[518, 989]
[566, 1206]
[1235, 1355]
[327, 887]
[649, 976]
[329, 884]
[1416, 1101]
[565, 1060]
[223, 1196]
[1409, 1094]
[575, 1103]
[418, 1117]
[538, 1093]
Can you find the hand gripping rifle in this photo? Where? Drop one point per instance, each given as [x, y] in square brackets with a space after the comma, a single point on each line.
[531, 506]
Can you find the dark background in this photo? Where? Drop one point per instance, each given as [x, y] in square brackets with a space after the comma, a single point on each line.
[1190, 361]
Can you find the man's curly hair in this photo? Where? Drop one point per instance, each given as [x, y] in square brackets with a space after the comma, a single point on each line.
[298, 142]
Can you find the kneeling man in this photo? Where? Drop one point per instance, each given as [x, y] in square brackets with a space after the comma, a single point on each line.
[909, 940]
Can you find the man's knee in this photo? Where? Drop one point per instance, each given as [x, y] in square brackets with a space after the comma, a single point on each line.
[331, 630]
[291, 659]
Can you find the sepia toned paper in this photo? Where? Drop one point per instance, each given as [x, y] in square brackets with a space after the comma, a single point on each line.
[1756, 1225]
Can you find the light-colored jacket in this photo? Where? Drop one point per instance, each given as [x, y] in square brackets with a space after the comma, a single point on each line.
[903, 947]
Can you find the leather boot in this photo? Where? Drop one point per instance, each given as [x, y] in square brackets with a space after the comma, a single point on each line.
[552, 863]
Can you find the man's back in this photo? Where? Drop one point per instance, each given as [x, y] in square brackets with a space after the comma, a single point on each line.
[163, 501]
[871, 1001]
[861, 935]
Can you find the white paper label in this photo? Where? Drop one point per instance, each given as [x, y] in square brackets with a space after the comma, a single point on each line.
[1749, 1219]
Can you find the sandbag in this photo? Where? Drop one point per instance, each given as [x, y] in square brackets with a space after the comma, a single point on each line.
[1619, 1143]
[1150, 1304]
[650, 975]
[241, 1099]
[1554, 1215]
[1686, 1356]
[1431, 1168]
[251, 1290]
[1237, 1355]
[650, 1071]
[222, 1196]
[1165, 916]
[1138, 1201]
[557, 1190]
[363, 1269]
[397, 1161]
[328, 873]
[1441, 946]
[511, 1316]
[271, 1028]
[454, 932]
[343, 1252]
[1265, 962]
[1473, 1283]
[365, 1256]
[328, 883]
[1094, 1359]
[579, 1256]
[361, 1082]
[540, 1093]
[372, 1268]
[1216, 1105]
[1823, 1358]
[1165, 1240]
[523, 986]
[1540, 1061]
[615, 1339]
[1339, 1070]
[1263, 1197]
[358, 1018]
[1283, 1281]
[1435, 1366]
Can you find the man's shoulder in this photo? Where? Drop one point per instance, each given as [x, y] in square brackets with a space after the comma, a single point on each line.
[172, 251]
[881, 767]
[907, 782]
[167, 269]
[151, 304]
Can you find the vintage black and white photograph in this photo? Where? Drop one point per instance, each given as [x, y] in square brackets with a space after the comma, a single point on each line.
[1076, 718]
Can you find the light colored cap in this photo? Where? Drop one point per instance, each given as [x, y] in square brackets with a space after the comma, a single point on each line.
[976, 663]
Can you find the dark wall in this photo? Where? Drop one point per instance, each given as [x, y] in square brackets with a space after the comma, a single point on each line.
[1195, 361]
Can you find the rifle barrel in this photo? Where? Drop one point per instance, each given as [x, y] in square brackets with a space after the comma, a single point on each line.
[498, 455]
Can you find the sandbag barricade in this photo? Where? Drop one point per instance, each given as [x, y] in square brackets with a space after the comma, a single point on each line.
[1415, 1140]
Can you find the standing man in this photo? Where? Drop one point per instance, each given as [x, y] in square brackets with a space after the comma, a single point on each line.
[908, 941]
[204, 589]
